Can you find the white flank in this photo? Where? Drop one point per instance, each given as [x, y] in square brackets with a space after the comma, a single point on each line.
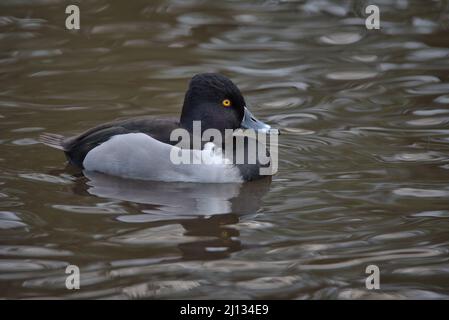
[139, 156]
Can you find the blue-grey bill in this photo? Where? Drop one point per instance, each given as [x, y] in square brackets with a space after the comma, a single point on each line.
[251, 122]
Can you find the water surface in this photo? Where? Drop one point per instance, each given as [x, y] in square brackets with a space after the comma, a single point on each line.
[363, 159]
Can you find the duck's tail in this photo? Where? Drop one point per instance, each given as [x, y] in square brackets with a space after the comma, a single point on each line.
[52, 140]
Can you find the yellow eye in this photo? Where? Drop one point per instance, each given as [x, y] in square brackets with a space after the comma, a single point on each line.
[226, 103]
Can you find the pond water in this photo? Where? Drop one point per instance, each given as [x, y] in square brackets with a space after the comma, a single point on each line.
[363, 158]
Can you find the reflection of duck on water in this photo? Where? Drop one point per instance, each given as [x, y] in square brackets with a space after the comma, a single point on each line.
[203, 211]
[179, 198]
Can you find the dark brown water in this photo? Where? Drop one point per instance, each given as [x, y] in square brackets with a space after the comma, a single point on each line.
[364, 165]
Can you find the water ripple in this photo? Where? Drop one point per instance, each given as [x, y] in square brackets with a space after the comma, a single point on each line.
[363, 154]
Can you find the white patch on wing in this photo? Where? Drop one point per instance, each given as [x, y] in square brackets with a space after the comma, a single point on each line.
[139, 156]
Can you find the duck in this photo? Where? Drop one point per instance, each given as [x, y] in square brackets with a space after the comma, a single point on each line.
[142, 148]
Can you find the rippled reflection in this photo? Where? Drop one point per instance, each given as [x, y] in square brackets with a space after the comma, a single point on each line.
[179, 199]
